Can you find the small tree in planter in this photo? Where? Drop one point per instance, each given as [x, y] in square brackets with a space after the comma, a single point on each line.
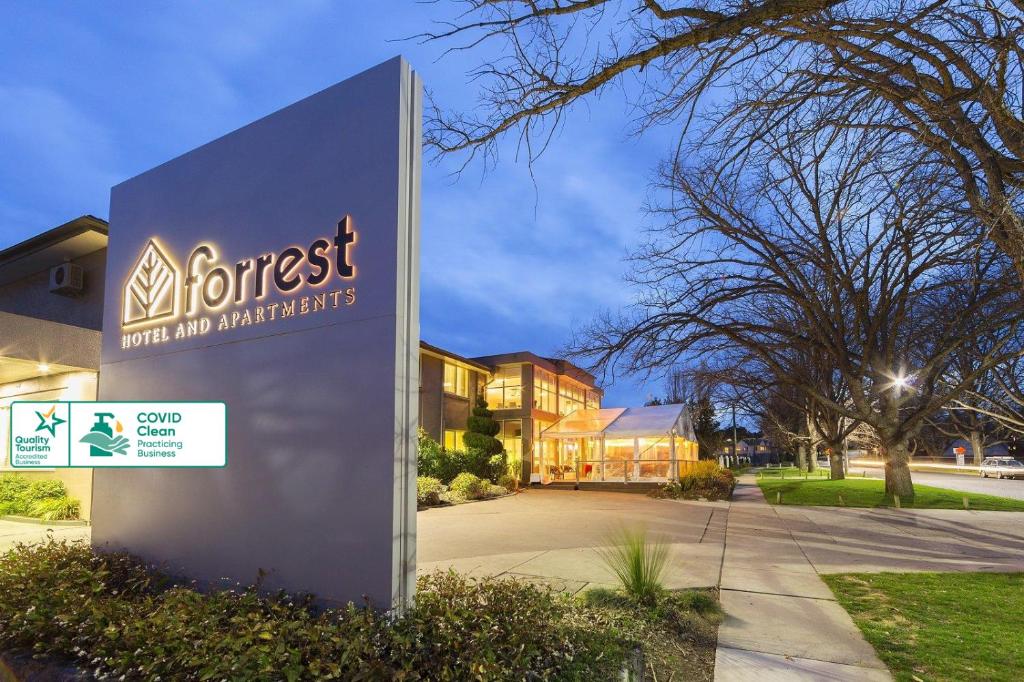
[481, 429]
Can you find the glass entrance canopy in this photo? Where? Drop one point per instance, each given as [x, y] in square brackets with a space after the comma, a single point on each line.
[634, 444]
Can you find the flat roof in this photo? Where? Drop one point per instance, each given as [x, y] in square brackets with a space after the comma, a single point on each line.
[74, 239]
[556, 365]
[437, 350]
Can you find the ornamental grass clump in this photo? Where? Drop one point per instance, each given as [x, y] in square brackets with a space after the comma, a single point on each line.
[638, 562]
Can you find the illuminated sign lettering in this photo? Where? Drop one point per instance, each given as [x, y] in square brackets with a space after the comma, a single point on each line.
[210, 295]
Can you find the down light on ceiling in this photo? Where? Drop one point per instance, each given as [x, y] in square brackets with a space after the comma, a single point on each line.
[43, 367]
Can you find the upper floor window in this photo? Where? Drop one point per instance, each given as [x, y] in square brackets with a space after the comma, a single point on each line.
[571, 396]
[505, 392]
[456, 379]
[545, 396]
[593, 400]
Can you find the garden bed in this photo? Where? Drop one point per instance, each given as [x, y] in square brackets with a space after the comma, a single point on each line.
[79, 614]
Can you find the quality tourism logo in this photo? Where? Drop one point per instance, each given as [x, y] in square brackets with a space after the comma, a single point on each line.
[38, 433]
[49, 421]
[162, 302]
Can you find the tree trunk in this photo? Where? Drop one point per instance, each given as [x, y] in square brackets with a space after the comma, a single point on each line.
[812, 459]
[897, 470]
[977, 447]
[801, 456]
[835, 461]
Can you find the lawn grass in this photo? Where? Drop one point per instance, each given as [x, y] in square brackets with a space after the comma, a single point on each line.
[793, 472]
[939, 626]
[870, 492]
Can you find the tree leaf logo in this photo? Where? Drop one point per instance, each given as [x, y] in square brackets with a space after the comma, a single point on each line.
[150, 292]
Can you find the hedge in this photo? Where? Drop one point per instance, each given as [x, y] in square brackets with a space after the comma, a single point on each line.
[113, 616]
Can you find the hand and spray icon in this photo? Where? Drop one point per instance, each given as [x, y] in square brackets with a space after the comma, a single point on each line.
[101, 439]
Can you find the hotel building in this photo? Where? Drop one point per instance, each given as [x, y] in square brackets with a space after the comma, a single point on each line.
[552, 421]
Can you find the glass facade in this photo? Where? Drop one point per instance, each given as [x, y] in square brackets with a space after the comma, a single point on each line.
[543, 450]
[571, 396]
[511, 436]
[505, 392]
[545, 393]
[453, 439]
[456, 380]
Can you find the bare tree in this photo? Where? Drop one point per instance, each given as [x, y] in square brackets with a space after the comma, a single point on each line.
[944, 77]
[827, 254]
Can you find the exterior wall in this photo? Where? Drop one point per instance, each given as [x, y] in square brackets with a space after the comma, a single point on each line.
[31, 296]
[439, 410]
[432, 395]
[71, 386]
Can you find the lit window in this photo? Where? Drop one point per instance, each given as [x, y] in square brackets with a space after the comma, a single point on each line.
[456, 380]
[545, 396]
[511, 436]
[453, 439]
[571, 396]
[505, 392]
[593, 400]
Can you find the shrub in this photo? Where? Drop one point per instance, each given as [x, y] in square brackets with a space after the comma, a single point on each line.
[508, 482]
[436, 462]
[428, 491]
[705, 479]
[481, 429]
[44, 499]
[55, 508]
[44, 490]
[469, 487]
[117, 618]
[637, 563]
[12, 487]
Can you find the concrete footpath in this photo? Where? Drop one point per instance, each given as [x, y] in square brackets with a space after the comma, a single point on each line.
[781, 620]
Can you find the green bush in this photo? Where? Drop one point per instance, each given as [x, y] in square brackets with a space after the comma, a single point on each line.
[12, 487]
[428, 491]
[115, 618]
[45, 490]
[705, 479]
[55, 508]
[481, 429]
[44, 499]
[436, 462]
[508, 482]
[638, 564]
[469, 486]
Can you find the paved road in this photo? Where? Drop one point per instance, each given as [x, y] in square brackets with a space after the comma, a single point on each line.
[550, 536]
[13, 532]
[968, 484]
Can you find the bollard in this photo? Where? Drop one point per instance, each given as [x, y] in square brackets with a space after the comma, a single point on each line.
[841, 503]
[896, 499]
[967, 503]
[778, 497]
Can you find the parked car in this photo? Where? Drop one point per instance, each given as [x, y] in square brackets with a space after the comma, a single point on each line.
[1002, 467]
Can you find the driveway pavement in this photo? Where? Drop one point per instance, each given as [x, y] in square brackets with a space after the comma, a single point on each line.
[549, 536]
[13, 532]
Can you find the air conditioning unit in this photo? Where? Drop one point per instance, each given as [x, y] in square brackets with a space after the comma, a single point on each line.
[67, 279]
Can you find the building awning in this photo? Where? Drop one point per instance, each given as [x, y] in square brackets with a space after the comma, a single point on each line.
[631, 422]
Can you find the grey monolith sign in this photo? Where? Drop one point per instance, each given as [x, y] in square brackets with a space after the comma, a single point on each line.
[276, 269]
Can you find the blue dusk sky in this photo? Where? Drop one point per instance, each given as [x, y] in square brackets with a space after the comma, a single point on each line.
[94, 93]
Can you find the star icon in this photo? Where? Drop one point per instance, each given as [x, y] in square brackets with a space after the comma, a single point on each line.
[49, 421]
